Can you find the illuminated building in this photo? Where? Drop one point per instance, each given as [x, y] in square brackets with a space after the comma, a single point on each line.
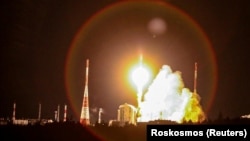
[127, 115]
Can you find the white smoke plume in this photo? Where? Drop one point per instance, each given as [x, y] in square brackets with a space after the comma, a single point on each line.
[168, 99]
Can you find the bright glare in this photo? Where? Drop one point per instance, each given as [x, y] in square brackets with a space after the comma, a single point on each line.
[140, 77]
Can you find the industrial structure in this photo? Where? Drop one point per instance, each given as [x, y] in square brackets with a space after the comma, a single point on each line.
[84, 119]
[100, 115]
[65, 113]
[127, 115]
[14, 112]
[195, 77]
[58, 113]
[33, 121]
[39, 112]
[16, 121]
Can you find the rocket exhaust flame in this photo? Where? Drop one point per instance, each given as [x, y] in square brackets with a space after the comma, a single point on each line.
[168, 99]
[140, 77]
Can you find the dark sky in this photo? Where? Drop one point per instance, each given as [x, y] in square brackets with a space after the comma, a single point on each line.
[36, 37]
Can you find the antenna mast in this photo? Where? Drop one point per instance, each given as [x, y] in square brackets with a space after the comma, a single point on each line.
[195, 77]
[84, 119]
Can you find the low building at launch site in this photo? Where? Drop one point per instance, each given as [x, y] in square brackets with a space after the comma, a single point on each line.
[126, 114]
[245, 116]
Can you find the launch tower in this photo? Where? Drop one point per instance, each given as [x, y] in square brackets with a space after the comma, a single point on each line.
[84, 119]
[195, 77]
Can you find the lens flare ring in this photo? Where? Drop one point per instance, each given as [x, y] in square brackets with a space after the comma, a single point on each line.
[72, 63]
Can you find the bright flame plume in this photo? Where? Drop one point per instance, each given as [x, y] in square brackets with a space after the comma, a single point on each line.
[140, 77]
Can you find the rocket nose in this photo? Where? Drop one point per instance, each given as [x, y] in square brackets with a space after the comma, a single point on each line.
[87, 62]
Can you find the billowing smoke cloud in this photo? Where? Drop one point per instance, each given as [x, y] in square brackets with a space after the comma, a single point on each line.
[168, 99]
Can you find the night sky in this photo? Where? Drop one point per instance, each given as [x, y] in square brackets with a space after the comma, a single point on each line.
[37, 37]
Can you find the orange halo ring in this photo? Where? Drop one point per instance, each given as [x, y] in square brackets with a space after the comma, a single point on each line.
[116, 6]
